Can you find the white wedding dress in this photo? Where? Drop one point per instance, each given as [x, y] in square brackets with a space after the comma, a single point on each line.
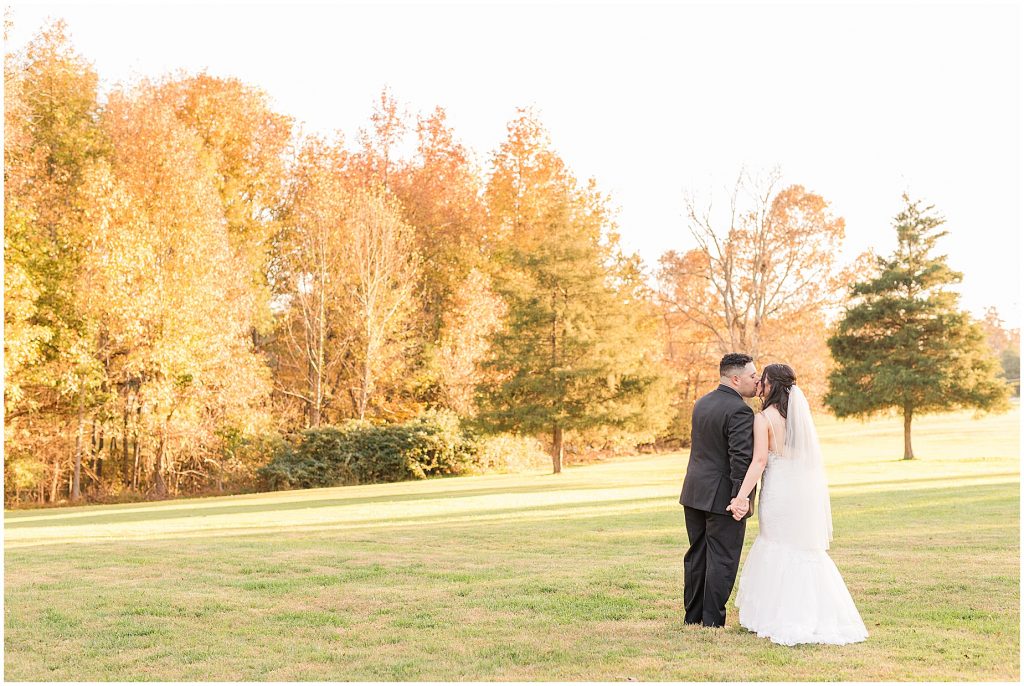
[790, 589]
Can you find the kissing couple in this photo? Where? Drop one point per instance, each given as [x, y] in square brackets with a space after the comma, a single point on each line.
[790, 591]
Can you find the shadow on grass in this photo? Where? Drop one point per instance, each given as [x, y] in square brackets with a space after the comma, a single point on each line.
[855, 513]
[925, 480]
[187, 510]
[505, 514]
[172, 510]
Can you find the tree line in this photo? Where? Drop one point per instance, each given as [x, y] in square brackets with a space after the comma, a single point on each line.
[189, 280]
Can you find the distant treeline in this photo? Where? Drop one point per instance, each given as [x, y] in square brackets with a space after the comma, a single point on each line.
[194, 292]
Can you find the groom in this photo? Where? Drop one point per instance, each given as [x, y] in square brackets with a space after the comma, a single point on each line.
[722, 446]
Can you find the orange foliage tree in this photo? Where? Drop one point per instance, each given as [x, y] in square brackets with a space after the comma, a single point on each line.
[764, 279]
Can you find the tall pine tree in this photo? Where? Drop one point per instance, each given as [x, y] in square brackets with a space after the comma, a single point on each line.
[903, 343]
[579, 349]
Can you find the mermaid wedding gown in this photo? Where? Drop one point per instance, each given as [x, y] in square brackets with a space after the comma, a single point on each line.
[790, 589]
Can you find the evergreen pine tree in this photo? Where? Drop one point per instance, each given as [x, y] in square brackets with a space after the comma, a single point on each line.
[579, 349]
[903, 343]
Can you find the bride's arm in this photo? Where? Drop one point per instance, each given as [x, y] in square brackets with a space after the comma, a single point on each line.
[760, 458]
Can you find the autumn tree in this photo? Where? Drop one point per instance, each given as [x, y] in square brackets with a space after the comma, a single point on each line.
[903, 344]
[381, 254]
[177, 324]
[1005, 342]
[379, 154]
[310, 279]
[52, 139]
[691, 349]
[246, 142]
[129, 283]
[765, 278]
[440, 193]
[576, 350]
[475, 315]
[773, 258]
[346, 272]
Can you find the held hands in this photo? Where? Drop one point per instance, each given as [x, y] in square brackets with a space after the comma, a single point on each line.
[739, 507]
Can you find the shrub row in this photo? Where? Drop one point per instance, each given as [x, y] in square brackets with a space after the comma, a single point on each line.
[433, 444]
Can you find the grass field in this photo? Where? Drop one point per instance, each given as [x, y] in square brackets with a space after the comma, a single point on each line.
[519, 577]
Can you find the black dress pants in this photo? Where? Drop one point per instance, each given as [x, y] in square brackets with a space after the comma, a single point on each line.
[711, 563]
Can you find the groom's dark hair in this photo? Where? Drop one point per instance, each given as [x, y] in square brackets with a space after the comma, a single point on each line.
[733, 363]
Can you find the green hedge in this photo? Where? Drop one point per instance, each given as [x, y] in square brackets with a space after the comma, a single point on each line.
[433, 444]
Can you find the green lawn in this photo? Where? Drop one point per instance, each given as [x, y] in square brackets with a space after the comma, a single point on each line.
[518, 577]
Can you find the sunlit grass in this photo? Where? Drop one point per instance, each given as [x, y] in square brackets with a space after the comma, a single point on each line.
[518, 577]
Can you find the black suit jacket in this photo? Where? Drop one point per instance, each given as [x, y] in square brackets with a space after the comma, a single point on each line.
[721, 448]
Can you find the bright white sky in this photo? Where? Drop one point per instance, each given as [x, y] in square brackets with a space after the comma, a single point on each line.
[857, 103]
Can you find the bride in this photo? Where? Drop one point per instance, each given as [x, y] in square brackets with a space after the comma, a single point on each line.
[790, 589]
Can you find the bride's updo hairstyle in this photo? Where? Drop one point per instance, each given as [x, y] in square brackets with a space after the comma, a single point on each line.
[781, 377]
